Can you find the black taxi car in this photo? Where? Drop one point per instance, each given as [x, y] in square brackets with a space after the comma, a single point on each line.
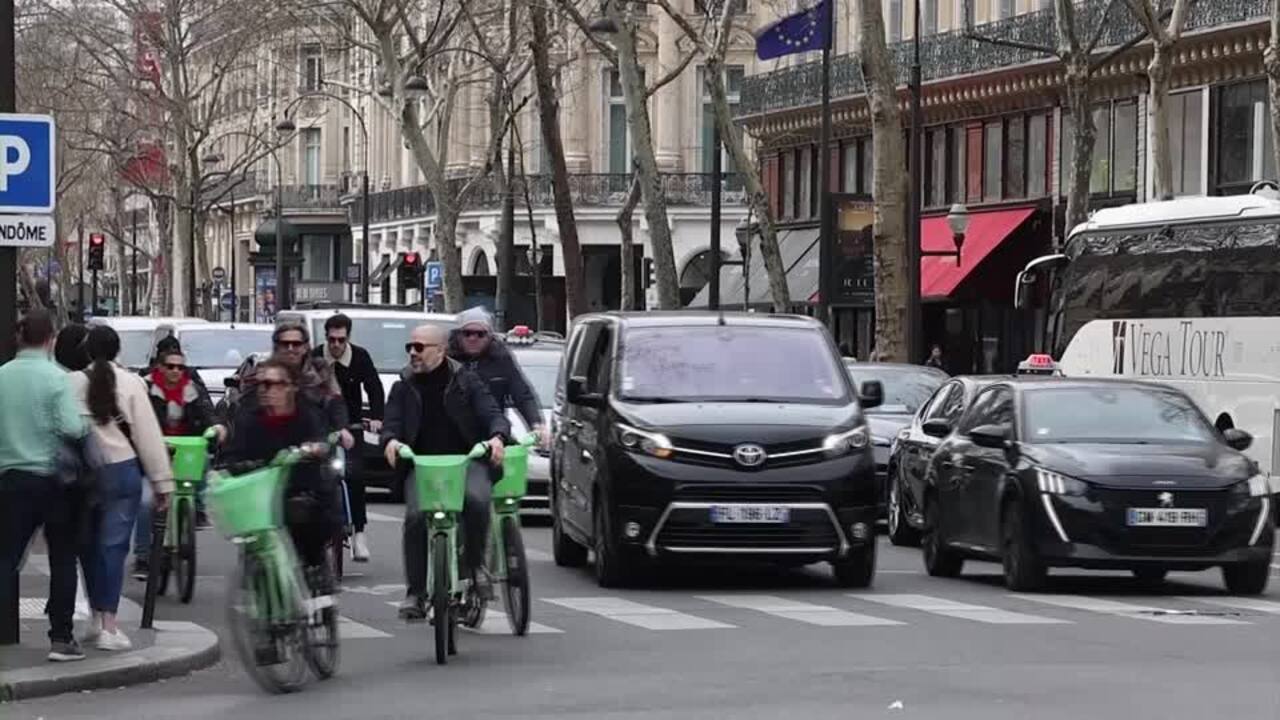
[1105, 474]
[712, 437]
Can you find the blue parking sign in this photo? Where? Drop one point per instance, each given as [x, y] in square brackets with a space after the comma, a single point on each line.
[435, 275]
[27, 176]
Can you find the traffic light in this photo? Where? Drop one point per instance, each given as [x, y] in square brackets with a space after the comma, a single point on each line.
[648, 272]
[97, 250]
[411, 271]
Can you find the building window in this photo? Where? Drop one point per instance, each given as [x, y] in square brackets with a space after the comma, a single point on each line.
[311, 157]
[935, 160]
[1015, 158]
[1186, 133]
[895, 20]
[312, 69]
[929, 17]
[1004, 9]
[618, 133]
[1114, 167]
[789, 184]
[957, 145]
[806, 183]
[1245, 153]
[1038, 155]
[733, 90]
[317, 258]
[849, 166]
[992, 168]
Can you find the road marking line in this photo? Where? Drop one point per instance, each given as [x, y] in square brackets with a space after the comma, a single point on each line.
[963, 611]
[495, 623]
[379, 517]
[1254, 604]
[537, 555]
[823, 615]
[349, 629]
[1128, 610]
[633, 613]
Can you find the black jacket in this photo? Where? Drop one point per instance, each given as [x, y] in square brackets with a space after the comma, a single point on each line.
[197, 415]
[316, 387]
[351, 379]
[466, 401]
[499, 370]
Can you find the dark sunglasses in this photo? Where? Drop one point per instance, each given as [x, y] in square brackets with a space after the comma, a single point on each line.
[175, 366]
[334, 340]
[292, 344]
[272, 384]
[417, 347]
[475, 333]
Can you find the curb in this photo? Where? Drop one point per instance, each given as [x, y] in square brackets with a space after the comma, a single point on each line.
[180, 648]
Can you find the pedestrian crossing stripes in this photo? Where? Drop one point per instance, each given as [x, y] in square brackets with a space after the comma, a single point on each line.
[495, 623]
[812, 614]
[640, 615]
[1251, 604]
[1141, 612]
[963, 611]
[349, 629]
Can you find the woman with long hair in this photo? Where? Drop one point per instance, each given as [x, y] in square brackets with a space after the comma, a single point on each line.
[128, 436]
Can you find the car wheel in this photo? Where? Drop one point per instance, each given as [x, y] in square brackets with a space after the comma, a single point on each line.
[1023, 569]
[939, 560]
[858, 569]
[614, 569]
[1150, 577]
[900, 531]
[1247, 578]
[565, 550]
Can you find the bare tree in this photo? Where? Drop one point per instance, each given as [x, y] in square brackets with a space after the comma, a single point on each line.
[626, 246]
[1080, 61]
[889, 182]
[1160, 77]
[1271, 62]
[712, 41]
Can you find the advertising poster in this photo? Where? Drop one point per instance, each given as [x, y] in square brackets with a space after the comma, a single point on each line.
[265, 295]
[853, 280]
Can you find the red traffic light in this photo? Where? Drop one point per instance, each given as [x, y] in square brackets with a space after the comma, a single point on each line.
[411, 258]
[97, 239]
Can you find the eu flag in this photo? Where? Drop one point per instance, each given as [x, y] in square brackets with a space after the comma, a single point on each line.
[804, 31]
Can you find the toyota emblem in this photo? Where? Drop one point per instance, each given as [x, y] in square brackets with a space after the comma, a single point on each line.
[749, 455]
[1166, 499]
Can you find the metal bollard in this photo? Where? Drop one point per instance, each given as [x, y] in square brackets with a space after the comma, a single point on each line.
[158, 556]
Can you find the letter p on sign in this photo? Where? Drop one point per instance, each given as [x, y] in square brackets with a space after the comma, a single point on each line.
[27, 164]
[15, 158]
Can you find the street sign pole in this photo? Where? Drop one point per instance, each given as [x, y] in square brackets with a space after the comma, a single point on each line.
[8, 302]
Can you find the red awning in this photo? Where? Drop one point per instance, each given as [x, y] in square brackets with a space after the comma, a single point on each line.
[940, 276]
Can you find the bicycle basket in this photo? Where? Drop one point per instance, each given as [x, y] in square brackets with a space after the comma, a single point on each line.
[441, 482]
[515, 474]
[190, 456]
[249, 503]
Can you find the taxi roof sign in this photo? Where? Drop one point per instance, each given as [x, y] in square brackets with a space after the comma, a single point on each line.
[1039, 364]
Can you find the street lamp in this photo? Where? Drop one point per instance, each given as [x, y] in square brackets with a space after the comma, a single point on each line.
[288, 126]
[744, 231]
[414, 87]
[958, 221]
[213, 160]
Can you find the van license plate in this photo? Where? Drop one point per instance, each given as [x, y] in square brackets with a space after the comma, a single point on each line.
[773, 514]
[1168, 517]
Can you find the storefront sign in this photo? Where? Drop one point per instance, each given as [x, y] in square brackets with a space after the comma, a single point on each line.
[853, 267]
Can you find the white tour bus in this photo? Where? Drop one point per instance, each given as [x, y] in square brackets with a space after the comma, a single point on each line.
[1185, 292]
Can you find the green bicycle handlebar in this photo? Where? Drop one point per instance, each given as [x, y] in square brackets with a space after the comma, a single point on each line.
[210, 434]
[529, 440]
[478, 451]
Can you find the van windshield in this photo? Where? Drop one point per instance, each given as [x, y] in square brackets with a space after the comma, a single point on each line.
[730, 364]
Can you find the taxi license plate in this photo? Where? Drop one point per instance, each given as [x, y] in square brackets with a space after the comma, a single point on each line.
[773, 514]
[1168, 517]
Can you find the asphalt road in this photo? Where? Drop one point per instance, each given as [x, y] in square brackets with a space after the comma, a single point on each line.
[748, 644]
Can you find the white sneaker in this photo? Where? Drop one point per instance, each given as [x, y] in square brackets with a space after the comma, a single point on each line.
[94, 632]
[359, 548]
[115, 641]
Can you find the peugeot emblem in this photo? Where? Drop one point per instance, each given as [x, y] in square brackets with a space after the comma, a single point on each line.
[1166, 499]
[749, 455]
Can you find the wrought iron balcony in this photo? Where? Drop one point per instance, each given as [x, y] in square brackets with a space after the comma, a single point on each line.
[588, 190]
[951, 54]
[311, 197]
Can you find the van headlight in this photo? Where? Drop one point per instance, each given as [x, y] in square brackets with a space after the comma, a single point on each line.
[1258, 486]
[642, 441]
[844, 442]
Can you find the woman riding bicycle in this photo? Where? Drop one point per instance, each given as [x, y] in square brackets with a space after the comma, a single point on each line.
[278, 421]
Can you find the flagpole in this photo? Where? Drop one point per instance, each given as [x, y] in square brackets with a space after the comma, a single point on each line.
[825, 239]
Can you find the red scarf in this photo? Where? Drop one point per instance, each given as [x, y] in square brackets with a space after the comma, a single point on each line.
[276, 424]
[175, 395]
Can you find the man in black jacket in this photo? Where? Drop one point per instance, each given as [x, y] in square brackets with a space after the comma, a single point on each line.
[353, 368]
[474, 345]
[438, 407]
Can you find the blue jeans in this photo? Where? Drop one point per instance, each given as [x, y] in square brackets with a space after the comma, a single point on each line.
[121, 493]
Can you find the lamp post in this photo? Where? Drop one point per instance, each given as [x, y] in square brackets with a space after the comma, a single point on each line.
[745, 230]
[213, 160]
[287, 125]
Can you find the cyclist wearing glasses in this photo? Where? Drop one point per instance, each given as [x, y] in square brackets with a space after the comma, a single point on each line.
[354, 370]
[438, 407]
[474, 345]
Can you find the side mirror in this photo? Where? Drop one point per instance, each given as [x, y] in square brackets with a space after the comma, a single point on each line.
[231, 382]
[1237, 439]
[936, 428]
[991, 436]
[576, 393]
[871, 394]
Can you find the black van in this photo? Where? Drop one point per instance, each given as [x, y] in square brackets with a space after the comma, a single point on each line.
[708, 436]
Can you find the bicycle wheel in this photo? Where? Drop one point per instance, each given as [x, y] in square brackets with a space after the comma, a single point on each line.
[516, 587]
[322, 634]
[185, 555]
[337, 548]
[273, 656]
[442, 617]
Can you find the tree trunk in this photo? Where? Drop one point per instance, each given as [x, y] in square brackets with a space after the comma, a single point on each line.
[503, 180]
[889, 186]
[750, 172]
[1159, 72]
[644, 161]
[549, 119]
[627, 246]
[1084, 134]
[1271, 62]
[450, 255]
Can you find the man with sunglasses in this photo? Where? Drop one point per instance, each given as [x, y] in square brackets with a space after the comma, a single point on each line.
[354, 371]
[439, 407]
[473, 344]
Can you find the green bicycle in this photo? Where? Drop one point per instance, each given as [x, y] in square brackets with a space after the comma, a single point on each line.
[190, 457]
[280, 623]
[440, 482]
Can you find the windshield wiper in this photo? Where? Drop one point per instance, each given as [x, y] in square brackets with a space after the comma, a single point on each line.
[654, 399]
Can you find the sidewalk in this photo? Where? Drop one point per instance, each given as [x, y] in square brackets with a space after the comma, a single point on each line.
[170, 649]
